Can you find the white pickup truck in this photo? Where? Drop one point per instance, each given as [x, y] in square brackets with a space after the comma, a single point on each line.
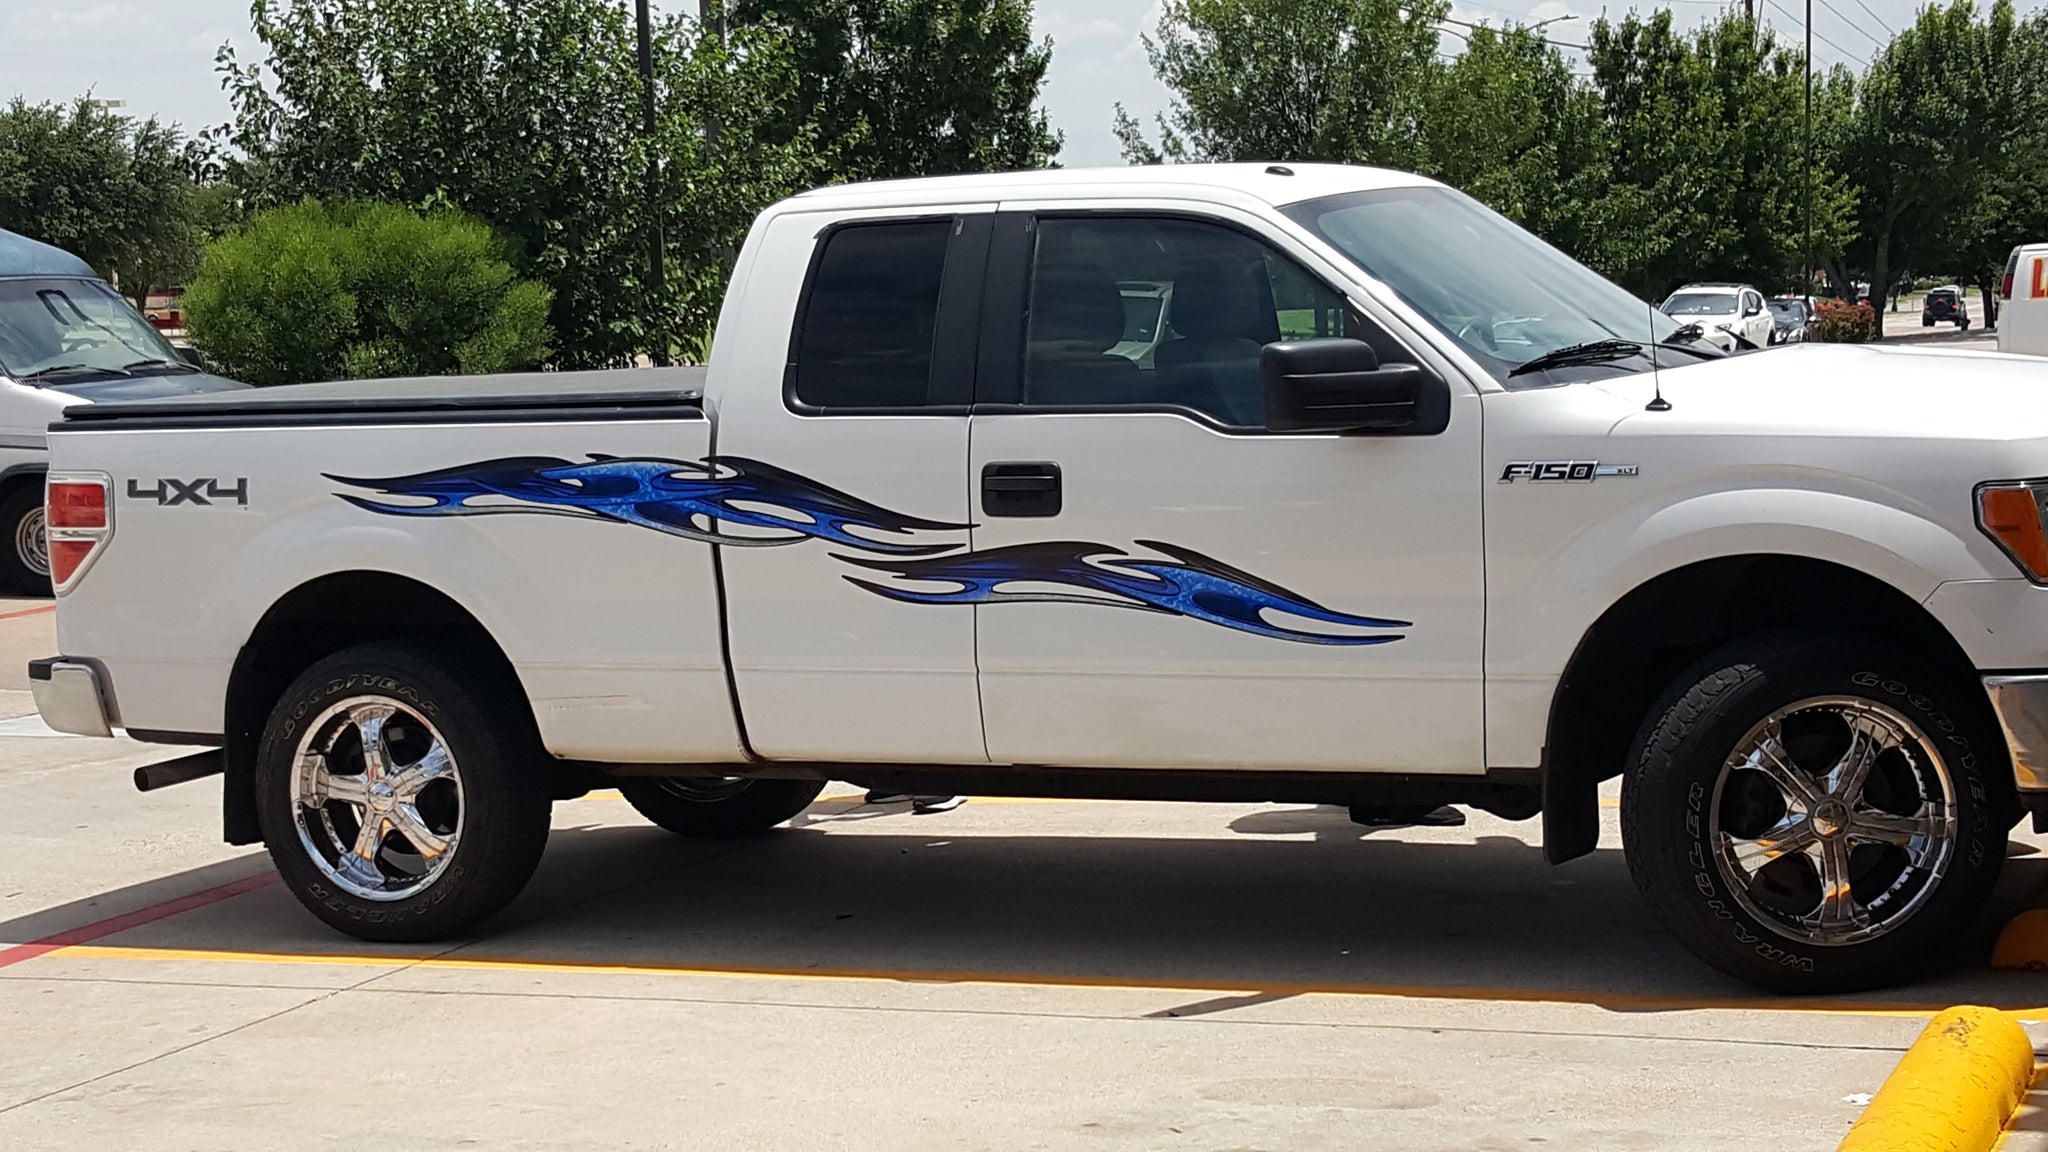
[1311, 484]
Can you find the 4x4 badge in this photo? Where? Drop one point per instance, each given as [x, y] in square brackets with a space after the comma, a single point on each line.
[1537, 471]
[203, 491]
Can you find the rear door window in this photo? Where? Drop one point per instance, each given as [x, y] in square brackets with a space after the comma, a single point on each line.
[870, 316]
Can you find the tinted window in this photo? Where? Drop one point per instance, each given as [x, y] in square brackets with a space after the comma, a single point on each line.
[870, 316]
[1126, 311]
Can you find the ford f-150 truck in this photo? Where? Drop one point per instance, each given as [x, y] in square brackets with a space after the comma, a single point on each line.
[1401, 508]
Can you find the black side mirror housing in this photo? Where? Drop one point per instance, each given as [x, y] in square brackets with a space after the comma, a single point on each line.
[189, 355]
[1339, 385]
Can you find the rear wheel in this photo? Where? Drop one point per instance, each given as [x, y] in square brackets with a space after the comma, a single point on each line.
[25, 556]
[1811, 813]
[718, 806]
[400, 798]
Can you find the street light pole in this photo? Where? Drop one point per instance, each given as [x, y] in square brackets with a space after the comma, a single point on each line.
[656, 274]
[1806, 265]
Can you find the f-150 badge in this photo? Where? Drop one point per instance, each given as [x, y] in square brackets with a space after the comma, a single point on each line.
[1540, 471]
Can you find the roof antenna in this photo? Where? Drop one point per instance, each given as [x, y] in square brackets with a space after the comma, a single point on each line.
[1657, 403]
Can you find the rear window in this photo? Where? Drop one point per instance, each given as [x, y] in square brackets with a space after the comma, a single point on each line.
[869, 316]
[1699, 304]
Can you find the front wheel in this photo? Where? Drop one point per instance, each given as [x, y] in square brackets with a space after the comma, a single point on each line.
[718, 806]
[25, 555]
[1811, 813]
[401, 798]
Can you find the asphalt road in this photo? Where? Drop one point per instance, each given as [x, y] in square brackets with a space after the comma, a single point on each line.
[1012, 974]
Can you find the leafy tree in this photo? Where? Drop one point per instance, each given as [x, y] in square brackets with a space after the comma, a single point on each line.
[913, 87]
[119, 193]
[1335, 80]
[312, 293]
[527, 115]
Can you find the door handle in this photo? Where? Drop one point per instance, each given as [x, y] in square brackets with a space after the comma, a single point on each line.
[1020, 488]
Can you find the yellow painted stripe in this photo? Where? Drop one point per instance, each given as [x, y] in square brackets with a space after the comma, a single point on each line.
[1634, 1002]
[1953, 1090]
[857, 798]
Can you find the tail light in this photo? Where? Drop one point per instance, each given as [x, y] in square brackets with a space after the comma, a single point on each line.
[2005, 288]
[79, 520]
[2012, 514]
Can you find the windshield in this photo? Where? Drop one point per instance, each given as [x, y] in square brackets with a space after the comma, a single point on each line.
[1788, 310]
[1700, 304]
[72, 327]
[1503, 295]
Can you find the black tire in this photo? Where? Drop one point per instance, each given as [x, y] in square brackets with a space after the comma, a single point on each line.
[1926, 322]
[24, 558]
[1675, 800]
[502, 783]
[718, 807]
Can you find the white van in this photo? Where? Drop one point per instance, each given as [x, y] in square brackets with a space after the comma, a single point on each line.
[2023, 312]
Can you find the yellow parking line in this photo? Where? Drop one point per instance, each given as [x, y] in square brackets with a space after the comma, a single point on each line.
[1623, 1002]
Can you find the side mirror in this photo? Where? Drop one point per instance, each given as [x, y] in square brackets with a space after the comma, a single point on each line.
[1339, 385]
[189, 355]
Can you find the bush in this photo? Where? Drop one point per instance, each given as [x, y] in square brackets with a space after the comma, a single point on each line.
[311, 292]
[1845, 323]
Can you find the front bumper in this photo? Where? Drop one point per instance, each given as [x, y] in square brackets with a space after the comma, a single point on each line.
[2022, 706]
[71, 696]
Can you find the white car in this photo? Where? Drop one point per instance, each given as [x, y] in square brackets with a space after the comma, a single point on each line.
[1728, 314]
[2023, 312]
[65, 338]
[1408, 509]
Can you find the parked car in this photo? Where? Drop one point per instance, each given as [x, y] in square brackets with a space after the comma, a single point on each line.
[1945, 305]
[1731, 316]
[1792, 319]
[2023, 316]
[950, 541]
[65, 338]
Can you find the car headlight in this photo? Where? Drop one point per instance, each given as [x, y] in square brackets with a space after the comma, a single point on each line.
[2012, 512]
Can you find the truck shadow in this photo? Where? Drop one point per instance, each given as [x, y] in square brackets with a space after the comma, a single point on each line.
[1480, 919]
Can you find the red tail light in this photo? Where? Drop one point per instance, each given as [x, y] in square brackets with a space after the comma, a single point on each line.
[78, 519]
[2005, 289]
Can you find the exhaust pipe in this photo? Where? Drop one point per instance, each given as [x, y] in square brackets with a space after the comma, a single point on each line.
[198, 765]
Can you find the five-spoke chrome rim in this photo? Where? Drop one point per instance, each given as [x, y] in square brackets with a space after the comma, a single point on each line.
[31, 544]
[1834, 820]
[377, 798]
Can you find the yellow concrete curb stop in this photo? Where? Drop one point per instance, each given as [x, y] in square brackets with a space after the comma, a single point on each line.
[1954, 1089]
[2024, 943]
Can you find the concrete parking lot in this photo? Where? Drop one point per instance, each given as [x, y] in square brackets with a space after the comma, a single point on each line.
[1012, 974]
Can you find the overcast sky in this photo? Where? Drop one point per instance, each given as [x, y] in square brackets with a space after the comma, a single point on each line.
[157, 55]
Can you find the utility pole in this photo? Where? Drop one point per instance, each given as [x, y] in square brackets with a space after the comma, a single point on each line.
[1806, 252]
[656, 274]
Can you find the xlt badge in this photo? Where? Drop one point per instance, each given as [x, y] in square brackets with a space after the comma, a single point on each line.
[1538, 471]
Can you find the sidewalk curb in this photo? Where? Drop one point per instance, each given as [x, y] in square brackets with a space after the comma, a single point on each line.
[1953, 1090]
[2024, 942]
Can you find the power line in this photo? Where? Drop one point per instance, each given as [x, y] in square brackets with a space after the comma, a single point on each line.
[1819, 37]
[1880, 20]
[1851, 23]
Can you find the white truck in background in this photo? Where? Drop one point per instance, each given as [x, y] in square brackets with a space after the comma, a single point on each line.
[2023, 309]
[1392, 506]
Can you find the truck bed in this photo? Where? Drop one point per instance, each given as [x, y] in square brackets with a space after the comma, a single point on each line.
[650, 393]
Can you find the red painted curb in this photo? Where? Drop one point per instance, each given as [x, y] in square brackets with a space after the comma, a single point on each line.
[104, 928]
[45, 609]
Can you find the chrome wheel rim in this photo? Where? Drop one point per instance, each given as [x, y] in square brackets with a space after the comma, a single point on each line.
[704, 789]
[1834, 821]
[31, 544]
[377, 798]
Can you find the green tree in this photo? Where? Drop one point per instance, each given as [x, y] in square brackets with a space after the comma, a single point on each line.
[119, 193]
[527, 115]
[1343, 81]
[913, 87]
[1916, 147]
[362, 289]
[1707, 128]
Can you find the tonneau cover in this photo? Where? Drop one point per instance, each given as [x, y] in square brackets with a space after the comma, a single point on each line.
[669, 392]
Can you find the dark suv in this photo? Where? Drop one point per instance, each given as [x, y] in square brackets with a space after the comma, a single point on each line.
[1946, 305]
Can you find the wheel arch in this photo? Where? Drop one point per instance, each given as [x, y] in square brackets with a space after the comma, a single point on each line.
[1628, 657]
[320, 617]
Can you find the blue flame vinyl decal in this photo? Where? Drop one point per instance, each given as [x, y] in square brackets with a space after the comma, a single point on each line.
[679, 497]
[1191, 585]
[703, 500]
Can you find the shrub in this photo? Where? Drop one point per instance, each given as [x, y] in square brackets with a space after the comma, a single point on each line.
[1845, 323]
[312, 292]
